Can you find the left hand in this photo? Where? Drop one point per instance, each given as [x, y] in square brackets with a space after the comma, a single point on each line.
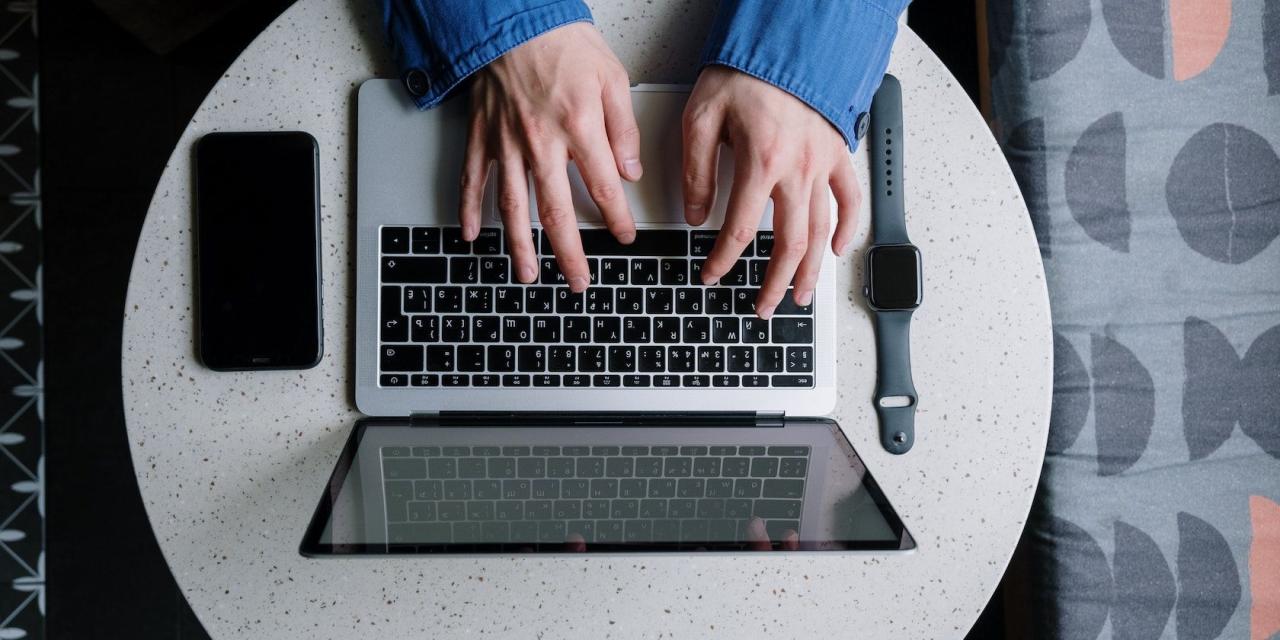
[783, 149]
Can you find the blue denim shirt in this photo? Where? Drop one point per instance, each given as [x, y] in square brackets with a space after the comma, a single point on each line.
[829, 53]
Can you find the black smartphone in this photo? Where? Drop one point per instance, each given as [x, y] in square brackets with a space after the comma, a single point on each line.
[257, 211]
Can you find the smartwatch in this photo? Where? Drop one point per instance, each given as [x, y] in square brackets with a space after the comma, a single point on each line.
[894, 286]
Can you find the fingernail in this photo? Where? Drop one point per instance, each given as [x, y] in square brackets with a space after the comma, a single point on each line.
[526, 274]
[804, 298]
[712, 282]
[578, 283]
[632, 168]
[766, 312]
[627, 237]
[693, 210]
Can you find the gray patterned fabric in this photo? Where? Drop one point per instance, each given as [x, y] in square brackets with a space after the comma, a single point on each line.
[1144, 135]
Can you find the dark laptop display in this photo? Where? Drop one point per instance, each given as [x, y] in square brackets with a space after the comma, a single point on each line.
[536, 483]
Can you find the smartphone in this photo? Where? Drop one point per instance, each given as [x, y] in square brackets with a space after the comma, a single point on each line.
[257, 212]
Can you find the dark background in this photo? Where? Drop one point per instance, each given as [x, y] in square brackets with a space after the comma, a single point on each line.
[111, 112]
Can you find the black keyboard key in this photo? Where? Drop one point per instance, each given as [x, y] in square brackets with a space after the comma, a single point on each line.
[770, 509]
[678, 467]
[622, 509]
[456, 329]
[648, 242]
[502, 358]
[478, 299]
[635, 330]
[501, 467]
[755, 272]
[448, 299]
[516, 329]
[799, 359]
[764, 243]
[788, 306]
[613, 271]
[701, 242]
[718, 487]
[737, 508]
[509, 300]
[741, 359]
[629, 300]
[464, 270]
[562, 359]
[764, 467]
[666, 381]
[666, 330]
[724, 330]
[550, 272]
[769, 359]
[703, 467]
[404, 468]
[724, 381]
[417, 299]
[440, 358]
[792, 467]
[394, 329]
[452, 242]
[755, 331]
[644, 271]
[737, 275]
[696, 330]
[747, 487]
[662, 487]
[695, 270]
[486, 328]
[755, 381]
[606, 330]
[591, 359]
[681, 359]
[722, 450]
[546, 381]
[793, 381]
[531, 468]
[425, 328]
[506, 242]
[598, 300]
[652, 359]
[711, 508]
[744, 302]
[390, 302]
[577, 380]
[689, 300]
[455, 380]
[567, 301]
[792, 330]
[470, 358]
[424, 380]
[719, 301]
[658, 301]
[546, 329]
[495, 270]
[539, 300]
[606, 380]
[636, 380]
[674, 271]
[735, 467]
[442, 468]
[682, 508]
[425, 240]
[428, 489]
[413, 270]
[648, 467]
[532, 358]
[485, 380]
[622, 359]
[774, 488]
[488, 242]
[395, 240]
[710, 359]
[752, 451]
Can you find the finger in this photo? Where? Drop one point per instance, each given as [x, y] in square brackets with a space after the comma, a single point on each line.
[844, 184]
[475, 170]
[790, 243]
[575, 543]
[555, 211]
[758, 536]
[624, 134]
[791, 540]
[701, 159]
[600, 175]
[819, 226]
[513, 205]
[747, 201]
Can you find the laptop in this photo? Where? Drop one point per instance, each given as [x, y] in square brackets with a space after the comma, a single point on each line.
[649, 413]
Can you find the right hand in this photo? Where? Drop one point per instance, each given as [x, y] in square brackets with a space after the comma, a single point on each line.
[561, 96]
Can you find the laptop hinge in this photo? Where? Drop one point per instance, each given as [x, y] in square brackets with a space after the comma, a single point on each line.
[560, 418]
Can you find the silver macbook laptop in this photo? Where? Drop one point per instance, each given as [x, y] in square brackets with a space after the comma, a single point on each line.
[650, 412]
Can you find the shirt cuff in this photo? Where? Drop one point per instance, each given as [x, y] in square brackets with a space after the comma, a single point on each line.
[830, 55]
[440, 44]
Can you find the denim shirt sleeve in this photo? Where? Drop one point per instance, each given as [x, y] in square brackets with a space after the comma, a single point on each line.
[439, 43]
[829, 54]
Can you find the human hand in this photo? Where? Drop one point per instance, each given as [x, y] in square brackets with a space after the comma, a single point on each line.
[783, 149]
[561, 96]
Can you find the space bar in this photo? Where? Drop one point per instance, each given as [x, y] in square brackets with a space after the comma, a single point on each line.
[648, 242]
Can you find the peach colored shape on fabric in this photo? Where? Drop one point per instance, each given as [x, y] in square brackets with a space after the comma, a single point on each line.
[1199, 30]
[1264, 568]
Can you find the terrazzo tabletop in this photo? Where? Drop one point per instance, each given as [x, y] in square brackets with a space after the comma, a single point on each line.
[230, 464]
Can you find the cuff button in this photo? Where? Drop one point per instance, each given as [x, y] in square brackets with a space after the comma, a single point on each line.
[417, 83]
[860, 125]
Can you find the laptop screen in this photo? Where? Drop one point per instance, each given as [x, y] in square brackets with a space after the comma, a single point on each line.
[529, 485]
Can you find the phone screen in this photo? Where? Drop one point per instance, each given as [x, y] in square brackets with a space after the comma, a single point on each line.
[257, 229]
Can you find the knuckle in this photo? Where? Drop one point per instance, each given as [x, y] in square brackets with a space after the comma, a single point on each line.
[534, 127]
[578, 124]
[555, 216]
[742, 234]
[792, 248]
[604, 192]
[509, 204]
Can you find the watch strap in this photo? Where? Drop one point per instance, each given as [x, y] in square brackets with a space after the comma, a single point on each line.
[893, 379]
[888, 214]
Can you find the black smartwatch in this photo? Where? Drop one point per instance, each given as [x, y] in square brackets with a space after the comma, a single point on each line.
[894, 286]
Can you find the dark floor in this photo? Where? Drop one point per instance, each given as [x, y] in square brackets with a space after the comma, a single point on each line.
[111, 114]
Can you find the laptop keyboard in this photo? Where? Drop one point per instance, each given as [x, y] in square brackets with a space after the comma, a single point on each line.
[606, 494]
[452, 314]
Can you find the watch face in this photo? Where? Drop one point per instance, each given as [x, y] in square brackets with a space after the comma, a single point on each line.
[893, 274]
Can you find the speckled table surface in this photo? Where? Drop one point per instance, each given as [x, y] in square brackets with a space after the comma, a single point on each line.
[230, 465]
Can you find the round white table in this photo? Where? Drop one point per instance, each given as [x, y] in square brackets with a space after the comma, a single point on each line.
[230, 465]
